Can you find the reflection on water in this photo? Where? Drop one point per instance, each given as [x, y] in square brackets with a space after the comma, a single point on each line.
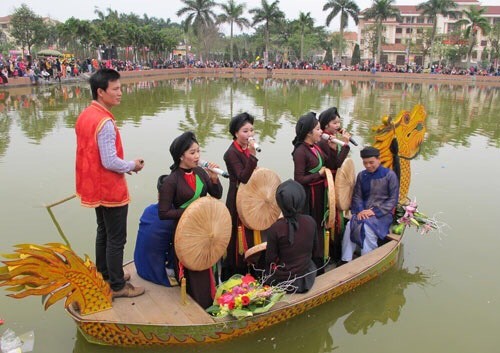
[311, 332]
[455, 112]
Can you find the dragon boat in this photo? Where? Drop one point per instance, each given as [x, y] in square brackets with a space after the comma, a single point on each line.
[163, 316]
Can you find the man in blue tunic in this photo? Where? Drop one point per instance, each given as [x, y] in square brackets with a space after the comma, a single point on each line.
[374, 199]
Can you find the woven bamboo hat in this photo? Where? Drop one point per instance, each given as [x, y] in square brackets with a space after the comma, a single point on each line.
[252, 255]
[330, 223]
[256, 200]
[344, 184]
[203, 233]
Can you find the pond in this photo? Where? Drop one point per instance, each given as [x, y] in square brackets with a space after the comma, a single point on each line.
[443, 297]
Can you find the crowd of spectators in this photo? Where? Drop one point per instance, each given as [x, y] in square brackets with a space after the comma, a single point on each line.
[52, 68]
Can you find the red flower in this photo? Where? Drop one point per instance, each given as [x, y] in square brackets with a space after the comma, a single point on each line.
[248, 278]
[245, 300]
[231, 305]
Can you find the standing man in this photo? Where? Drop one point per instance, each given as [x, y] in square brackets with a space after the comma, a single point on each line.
[375, 197]
[100, 179]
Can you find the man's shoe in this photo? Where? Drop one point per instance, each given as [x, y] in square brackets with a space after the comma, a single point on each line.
[340, 263]
[129, 291]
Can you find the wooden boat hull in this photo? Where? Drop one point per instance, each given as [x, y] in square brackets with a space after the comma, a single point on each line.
[327, 287]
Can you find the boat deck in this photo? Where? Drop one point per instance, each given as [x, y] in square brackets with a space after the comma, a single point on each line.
[162, 305]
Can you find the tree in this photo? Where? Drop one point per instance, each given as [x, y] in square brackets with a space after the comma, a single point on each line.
[473, 21]
[380, 11]
[199, 16]
[369, 33]
[268, 14]
[305, 22]
[495, 44]
[27, 28]
[111, 27]
[233, 15]
[346, 9]
[433, 8]
[338, 44]
[356, 57]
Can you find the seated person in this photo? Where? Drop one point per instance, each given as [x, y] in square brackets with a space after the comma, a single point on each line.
[374, 199]
[291, 240]
[153, 248]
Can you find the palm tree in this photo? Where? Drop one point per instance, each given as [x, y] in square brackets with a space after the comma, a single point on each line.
[473, 22]
[233, 15]
[199, 15]
[269, 14]
[305, 21]
[433, 8]
[380, 11]
[346, 8]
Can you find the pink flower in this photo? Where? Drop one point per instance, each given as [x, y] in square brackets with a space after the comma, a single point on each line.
[225, 298]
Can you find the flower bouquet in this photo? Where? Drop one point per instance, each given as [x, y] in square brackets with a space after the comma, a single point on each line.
[408, 215]
[243, 296]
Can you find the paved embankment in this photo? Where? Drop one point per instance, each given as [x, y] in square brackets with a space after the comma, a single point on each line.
[279, 73]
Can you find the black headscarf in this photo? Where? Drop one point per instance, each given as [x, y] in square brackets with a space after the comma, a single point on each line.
[291, 199]
[305, 125]
[327, 116]
[238, 121]
[369, 151]
[180, 145]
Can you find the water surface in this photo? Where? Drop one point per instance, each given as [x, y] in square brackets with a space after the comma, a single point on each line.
[444, 296]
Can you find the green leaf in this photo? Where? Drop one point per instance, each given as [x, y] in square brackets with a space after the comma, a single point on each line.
[241, 313]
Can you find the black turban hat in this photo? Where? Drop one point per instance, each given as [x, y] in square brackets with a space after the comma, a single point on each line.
[180, 145]
[291, 199]
[327, 116]
[369, 151]
[238, 121]
[305, 125]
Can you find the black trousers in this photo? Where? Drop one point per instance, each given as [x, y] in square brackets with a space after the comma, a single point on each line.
[110, 243]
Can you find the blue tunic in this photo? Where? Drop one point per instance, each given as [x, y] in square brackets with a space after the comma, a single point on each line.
[153, 247]
[379, 191]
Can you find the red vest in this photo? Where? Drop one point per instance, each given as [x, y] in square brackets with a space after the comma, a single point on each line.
[95, 185]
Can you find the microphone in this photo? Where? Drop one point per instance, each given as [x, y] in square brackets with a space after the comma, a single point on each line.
[351, 140]
[333, 139]
[255, 144]
[204, 164]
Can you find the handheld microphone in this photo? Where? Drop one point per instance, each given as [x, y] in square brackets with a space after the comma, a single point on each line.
[351, 140]
[331, 138]
[204, 164]
[255, 144]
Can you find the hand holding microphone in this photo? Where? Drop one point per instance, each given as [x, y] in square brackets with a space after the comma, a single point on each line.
[255, 144]
[351, 140]
[205, 164]
[332, 139]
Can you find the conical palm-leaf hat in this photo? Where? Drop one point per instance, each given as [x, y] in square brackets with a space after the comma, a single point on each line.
[344, 184]
[203, 233]
[330, 222]
[256, 200]
[252, 255]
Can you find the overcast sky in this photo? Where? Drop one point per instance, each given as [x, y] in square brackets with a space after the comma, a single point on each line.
[84, 9]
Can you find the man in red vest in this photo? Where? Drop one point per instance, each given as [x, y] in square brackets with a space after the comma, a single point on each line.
[100, 178]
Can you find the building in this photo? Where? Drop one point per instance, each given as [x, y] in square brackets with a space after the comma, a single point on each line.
[405, 41]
